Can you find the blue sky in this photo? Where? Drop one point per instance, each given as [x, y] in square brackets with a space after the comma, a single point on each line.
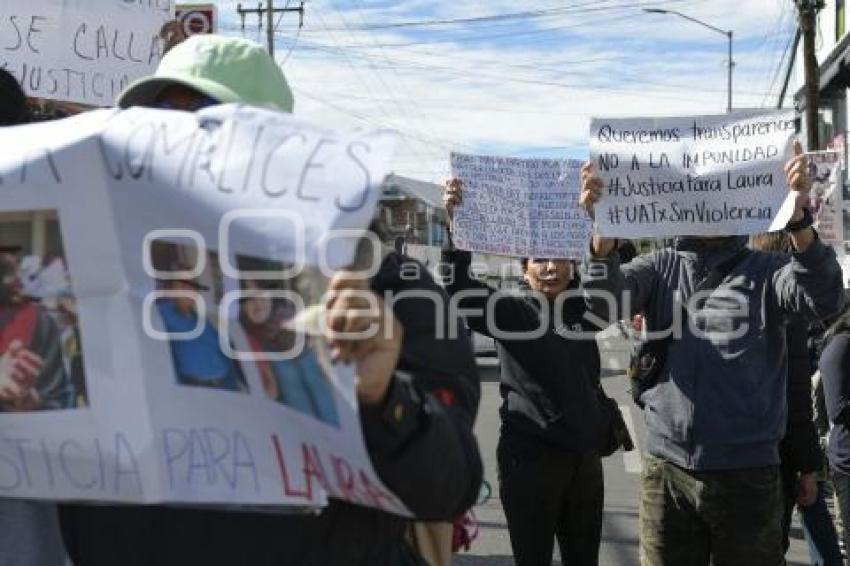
[526, 84]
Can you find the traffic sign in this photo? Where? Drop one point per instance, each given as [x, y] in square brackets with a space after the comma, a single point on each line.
[197, 18]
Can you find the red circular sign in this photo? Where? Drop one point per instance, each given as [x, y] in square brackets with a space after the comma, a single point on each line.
[197, 21]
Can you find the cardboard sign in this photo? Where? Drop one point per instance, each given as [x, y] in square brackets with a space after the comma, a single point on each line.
[154, 308]
[520, 207]
[83, 51]
[695, 176]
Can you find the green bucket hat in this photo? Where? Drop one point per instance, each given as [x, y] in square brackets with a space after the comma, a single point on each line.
[228, 69]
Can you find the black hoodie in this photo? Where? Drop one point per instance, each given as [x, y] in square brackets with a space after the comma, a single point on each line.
[548, 382]
[420, 441]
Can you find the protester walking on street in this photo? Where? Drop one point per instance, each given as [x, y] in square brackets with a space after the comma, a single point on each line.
[716, 407]
[416, 409]
[550, 472]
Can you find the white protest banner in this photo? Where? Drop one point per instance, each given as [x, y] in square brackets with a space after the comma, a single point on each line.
[520, 207]
[83, 51]
[693, 176]
[176, 250]
[825, 170]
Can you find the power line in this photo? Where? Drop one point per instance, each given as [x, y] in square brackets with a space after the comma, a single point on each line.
[354, 68]
[469, 73]
[578, 8]
[532, 36]
[357, 59]
[399, 80]
[791, 62]
[372, 121]
[294, 43]
[269, 11]
[513, 34]
[388, 88]
[777, 37]
[778, 71]
[292, 47]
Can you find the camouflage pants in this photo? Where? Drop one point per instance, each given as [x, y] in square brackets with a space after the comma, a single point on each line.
[728, 518]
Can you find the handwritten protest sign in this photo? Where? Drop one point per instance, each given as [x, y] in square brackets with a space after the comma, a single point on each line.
[171, 372]
[520, 207]
[83, 51]
[699, 176]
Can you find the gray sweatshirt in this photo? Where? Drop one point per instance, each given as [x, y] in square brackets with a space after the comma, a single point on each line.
[720, 402]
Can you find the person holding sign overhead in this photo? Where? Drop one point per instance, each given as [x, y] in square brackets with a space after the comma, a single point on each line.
[550, 471]
[712, 377]
[416, 411]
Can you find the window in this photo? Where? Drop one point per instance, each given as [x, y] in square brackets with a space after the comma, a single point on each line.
[17, 233]
[35, 232]
[53, 239]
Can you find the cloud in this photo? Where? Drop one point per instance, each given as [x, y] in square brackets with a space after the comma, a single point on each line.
[522, 85]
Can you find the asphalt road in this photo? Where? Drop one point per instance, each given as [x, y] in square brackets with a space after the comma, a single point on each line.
[622, 478]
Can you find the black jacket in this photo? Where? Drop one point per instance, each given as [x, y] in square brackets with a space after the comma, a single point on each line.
[548, 383]
[800, 450]
[420, 441]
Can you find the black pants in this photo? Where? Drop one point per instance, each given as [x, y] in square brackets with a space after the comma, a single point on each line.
[139, 535]
[789, 500]
[550, 494]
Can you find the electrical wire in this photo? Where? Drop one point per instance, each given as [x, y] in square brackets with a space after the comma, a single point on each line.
[467, 72]
[513, 34]
[578, 8]
[356, 71]
[399, 82]
[356, 55]
[778, 72]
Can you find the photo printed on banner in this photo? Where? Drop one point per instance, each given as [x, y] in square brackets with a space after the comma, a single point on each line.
[41, 360]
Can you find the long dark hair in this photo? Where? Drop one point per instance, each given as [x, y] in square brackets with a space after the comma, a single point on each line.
[13, 101]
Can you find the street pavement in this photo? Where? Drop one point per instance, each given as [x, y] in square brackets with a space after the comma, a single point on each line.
[622, 475]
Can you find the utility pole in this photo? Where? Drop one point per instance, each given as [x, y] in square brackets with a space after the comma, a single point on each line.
[270, 27]
[797, 37]
[269, 11]
[808, 10]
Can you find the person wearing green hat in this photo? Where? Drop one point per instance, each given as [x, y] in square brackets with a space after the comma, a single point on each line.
[416, 409]
[206, 70]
